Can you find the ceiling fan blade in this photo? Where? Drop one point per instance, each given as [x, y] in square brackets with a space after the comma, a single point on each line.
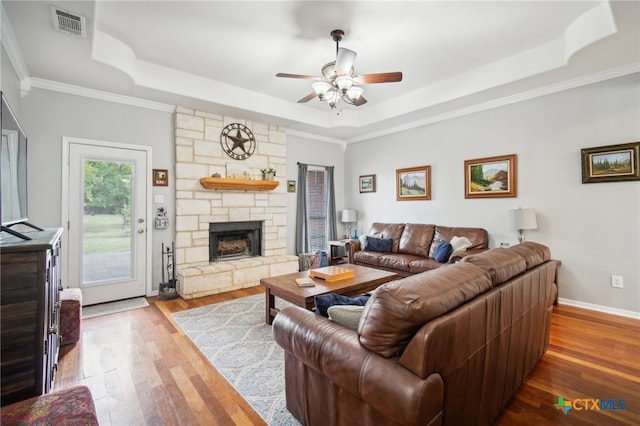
[305, 77]
[360, 101]
[344, 61]
[308, 97]
[383, 77]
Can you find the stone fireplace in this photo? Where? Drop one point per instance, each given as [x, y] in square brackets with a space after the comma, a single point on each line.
[199, 154]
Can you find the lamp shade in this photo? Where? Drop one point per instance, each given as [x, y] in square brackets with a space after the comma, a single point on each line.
[522, 219]
[349, 216]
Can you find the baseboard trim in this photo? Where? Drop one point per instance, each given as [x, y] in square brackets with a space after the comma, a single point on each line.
[599, 308]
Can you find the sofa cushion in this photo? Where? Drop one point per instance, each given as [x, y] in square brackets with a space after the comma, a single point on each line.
[478, 237]
[416, 239]
[533, 253]
[396, 261]
[379, 244]
[324, 301]
[423, 264]
[399, 308]
[368, 257]
[443, 251]
[501, 264]
[389, 230]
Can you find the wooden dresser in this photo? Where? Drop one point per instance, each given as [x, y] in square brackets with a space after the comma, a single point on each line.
[30, 285]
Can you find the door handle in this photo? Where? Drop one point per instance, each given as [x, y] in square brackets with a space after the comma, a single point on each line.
[141, 231]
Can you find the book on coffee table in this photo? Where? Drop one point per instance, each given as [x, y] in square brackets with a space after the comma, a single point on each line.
[305, 282]
[332, 273]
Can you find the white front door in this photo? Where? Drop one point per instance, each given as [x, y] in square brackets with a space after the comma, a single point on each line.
[108, 241]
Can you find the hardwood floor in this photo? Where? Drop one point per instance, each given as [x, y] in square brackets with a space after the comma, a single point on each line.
[142, 370]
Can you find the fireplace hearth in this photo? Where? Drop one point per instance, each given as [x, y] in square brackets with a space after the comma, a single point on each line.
[234, 240]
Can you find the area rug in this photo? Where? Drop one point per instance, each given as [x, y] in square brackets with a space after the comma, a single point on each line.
[236, 340]
[113, 307]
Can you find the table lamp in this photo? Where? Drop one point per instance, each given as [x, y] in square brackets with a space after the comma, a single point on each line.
[522, 219]
[349, 217]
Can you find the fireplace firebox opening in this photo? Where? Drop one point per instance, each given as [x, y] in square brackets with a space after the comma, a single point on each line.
[234, 240]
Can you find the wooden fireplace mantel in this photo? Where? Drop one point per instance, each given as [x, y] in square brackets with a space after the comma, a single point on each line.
[238, 184]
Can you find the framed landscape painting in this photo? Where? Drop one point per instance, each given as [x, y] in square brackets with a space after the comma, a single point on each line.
[491, 177]
[611, 163]
[413, 183]
[367, 183]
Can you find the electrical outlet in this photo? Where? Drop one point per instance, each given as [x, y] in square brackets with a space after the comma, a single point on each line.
[504, 245]
[616, 281]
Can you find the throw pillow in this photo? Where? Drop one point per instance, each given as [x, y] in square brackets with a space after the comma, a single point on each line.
[443, 252]
[363, 240]
[379, 244]
[325, 301]
[459, 244]
[346, 315]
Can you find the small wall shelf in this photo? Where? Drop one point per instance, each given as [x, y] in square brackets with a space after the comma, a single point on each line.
[238, 184]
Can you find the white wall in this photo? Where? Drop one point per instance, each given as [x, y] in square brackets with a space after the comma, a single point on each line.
[10, 83]
[48, 116]
[594, 229]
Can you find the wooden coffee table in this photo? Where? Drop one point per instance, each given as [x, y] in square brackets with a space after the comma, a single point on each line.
[285, 287]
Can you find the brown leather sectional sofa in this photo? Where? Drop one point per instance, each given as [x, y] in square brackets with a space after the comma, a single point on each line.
[448, 346]
[414, 246]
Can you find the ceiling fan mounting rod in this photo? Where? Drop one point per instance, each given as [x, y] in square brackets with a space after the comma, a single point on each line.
[337, 35]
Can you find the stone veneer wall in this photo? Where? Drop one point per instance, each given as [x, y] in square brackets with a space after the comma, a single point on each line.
[199, 154]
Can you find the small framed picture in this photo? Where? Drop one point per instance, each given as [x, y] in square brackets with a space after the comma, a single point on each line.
[160, 177]
[413, 183]
[291, 186]
[367, 183]
[491, 177]
[611, 163]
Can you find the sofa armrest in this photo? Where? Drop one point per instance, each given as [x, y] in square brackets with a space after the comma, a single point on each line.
[459, 256]
[335, 351]
[350, 248]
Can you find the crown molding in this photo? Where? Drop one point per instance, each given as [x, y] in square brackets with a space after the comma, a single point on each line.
[508, 100]
[100, 95]
[13, 51]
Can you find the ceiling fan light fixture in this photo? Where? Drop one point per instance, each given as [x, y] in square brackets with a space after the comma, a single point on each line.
[332, 97]
[344, 83]
[321, 88]
[354, 93]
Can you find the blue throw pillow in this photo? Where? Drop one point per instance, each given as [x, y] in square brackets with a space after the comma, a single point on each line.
[379, 244]
[325, 301]
[443, 252]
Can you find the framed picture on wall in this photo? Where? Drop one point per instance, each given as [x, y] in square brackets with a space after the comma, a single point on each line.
[413, 183]
[160, 177]
[491, 177]
[367, 183]
[611, 163]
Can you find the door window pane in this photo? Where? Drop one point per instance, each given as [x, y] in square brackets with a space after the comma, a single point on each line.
[107, 221]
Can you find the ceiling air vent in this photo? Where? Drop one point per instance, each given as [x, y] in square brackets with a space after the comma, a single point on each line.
[67, 22]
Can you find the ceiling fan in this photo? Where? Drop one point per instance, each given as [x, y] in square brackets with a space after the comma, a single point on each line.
[338, 80]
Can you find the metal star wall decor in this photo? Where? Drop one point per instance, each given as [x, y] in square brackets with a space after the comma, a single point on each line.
[240, 145]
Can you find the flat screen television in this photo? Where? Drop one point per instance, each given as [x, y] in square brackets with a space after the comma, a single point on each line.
[13, 172]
